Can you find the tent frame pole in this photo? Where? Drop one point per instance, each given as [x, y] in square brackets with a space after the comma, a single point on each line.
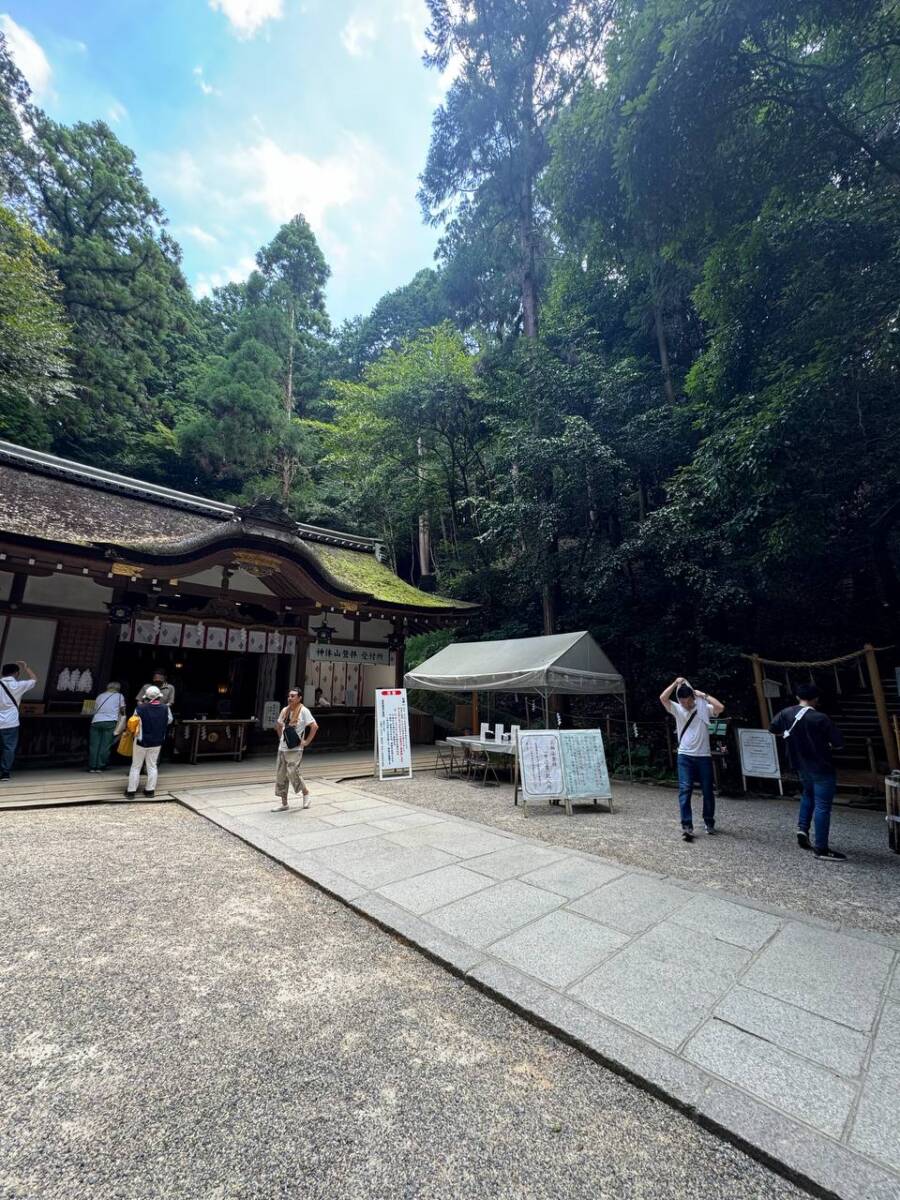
[627, 736]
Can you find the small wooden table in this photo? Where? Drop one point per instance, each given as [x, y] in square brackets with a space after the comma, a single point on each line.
[222, 738]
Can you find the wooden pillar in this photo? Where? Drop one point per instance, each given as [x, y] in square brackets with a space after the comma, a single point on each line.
[399, 655]
[760, 691]
[881, 707]
[299, 664]
[110, 641]
[476, 723]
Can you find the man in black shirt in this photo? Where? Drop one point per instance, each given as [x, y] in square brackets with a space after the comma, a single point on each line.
[811, 736]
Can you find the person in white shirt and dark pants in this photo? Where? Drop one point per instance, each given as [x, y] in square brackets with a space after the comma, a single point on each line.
[109, 708]
[12, 689]
[692, 712]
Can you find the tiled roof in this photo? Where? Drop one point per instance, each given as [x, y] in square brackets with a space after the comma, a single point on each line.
[44, 498]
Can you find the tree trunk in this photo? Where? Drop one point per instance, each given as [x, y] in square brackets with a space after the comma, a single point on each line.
[289, 379]
[663, 351]
[424, 520]
[529, 283]
[526, 217]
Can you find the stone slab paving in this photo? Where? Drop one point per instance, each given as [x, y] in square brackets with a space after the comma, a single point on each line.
[772, 1027]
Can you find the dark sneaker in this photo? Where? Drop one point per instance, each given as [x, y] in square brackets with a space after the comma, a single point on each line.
[710, 829]
[803, 840]
[130, 795]
[4, 778]
[687, 834]
[827, 855]
[149, 795]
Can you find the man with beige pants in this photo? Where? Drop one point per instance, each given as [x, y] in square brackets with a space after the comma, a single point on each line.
[296, 727]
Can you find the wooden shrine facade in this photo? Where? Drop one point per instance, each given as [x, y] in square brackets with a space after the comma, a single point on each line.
[107, 577]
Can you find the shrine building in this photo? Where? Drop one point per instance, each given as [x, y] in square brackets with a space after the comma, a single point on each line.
[107, 577]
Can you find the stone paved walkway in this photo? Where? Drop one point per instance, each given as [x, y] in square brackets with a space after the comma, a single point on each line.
[776, 1028]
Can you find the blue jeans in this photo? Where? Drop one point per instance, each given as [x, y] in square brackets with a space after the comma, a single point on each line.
[815, 805]
[693, 770]
[9, 741]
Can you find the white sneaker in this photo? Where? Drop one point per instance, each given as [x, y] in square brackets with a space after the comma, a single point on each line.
[306, 800]
[281, 808]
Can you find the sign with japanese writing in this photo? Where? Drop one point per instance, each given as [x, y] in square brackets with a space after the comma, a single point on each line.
[759, 754]
[584, 764]
[367, 656]
[393, 751]
[563, 764]
[271, 709]
[256, 643]
[540, 764]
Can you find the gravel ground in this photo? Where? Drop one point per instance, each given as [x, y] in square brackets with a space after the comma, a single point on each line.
[753, 853]
[185, 1019]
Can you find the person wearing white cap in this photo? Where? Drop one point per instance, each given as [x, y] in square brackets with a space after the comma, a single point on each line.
[149, 725]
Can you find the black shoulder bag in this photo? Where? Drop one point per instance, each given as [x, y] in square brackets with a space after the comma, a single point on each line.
[291, 737]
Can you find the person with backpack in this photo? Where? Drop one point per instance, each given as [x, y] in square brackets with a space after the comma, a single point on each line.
[811, 736]
[12, 689]
[693, 712]
[149, 724]
[296, 727]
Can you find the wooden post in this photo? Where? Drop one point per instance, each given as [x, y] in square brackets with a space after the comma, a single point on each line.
[760, 691]
[476, 724]
[881, 707]
[399, 655]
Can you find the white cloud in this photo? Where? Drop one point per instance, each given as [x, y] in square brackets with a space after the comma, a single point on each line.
[285, 182]
[27, 55]
[206, 281]
[116, 112]
[179, 172]
[414, 16]
[247, 16]
[206, 88]
[359, 34]
[200, 235]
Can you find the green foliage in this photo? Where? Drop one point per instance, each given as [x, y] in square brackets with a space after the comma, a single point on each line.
[651, 389]
[34, 371]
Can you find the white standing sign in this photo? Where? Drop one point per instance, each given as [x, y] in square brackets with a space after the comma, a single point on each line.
[759, 756]
[393, 751]
[562, 764]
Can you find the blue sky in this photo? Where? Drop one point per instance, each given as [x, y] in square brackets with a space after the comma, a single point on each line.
[244, 112]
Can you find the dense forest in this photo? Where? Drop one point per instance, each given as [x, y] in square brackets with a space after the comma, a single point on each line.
[650, 386]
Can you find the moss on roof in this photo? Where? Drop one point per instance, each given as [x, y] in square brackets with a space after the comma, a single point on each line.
[47, 508]
[355, 571]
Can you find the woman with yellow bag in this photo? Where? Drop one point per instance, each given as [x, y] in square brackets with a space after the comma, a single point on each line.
[146, 731]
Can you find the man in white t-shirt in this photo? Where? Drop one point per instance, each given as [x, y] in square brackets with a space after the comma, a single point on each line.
[296, 716]
[12, 689]
[692, 712]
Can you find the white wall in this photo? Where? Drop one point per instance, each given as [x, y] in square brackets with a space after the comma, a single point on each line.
[67, 591]
[241, 581]
[31, 639]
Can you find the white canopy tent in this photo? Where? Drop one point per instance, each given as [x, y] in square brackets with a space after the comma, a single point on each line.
[561, 664]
